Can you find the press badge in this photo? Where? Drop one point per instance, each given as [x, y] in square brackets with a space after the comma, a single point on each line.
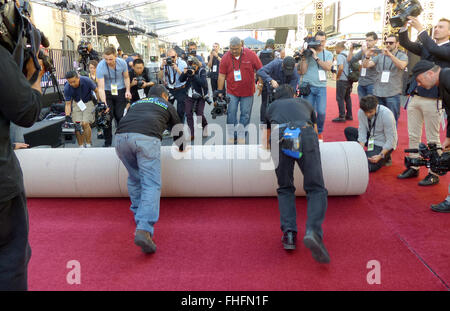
[141, 93]
[363, 72]
[237, 75]
[214, 68]
[385, 76]
[81, 105]
[114, 89]
[322, 75]
[370, 144]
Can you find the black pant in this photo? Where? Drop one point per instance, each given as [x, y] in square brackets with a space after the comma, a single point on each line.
[214, 83]
[180, 96]
[343, 92]
[313, 184]
[351, 133]
[117, 104]
[264, 101]
[15, 251]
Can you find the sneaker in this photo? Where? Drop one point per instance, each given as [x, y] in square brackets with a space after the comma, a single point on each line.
[80, 146]
[289, 240]
[88, 146]
[443, 207]
[429, 180]
[205, 132]
[316, 246]
[408, 173]
[166, 133]
[339, 119]
[320, 137]
[349, 118]
[144, 240]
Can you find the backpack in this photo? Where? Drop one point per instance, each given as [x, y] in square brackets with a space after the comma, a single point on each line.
[353, 70]
[266, 56]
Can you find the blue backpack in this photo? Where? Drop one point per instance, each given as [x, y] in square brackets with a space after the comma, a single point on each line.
[290, 141]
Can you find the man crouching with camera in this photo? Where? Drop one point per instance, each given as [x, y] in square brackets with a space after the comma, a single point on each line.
[140, 81]
[428, 75]
[197, 86]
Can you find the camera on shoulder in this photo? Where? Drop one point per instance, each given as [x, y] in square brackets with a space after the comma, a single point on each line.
[403, 9]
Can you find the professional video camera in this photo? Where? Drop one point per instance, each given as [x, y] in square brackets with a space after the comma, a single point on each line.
[311, 43]
[220, 104]
[84, 54]
[439, 164]
[196, 97]
[102, 119]
[403, 9]
[19, 36]
[70, 127]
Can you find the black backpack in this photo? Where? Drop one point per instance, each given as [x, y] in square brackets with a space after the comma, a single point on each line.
[353, 71]
[266, 56]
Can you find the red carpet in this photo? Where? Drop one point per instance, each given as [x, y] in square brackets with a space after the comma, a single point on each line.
[234, 244]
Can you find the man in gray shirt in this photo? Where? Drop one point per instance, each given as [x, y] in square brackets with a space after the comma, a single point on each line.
[376, 130]
[367, 76]
[343, 85]
[390, 66]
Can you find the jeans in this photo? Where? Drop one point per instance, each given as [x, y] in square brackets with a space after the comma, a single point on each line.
[393, 103]
[343, 92]
[15, 251]
[140, 154]
[246, 104]
[365, 90]
[318, 99]
[313, 184]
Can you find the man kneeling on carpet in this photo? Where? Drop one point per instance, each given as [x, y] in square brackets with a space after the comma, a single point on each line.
[138, 146]
[298, 143]
[376, 130]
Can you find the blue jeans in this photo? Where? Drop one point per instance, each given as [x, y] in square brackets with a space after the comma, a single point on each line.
[365, 90]
[246, 104]
[393, 103]
[140, 154]
[318, 99]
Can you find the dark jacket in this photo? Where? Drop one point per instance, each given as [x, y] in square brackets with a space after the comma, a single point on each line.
[444, 92]
[198, 81]
[427, 49]
[21, 104]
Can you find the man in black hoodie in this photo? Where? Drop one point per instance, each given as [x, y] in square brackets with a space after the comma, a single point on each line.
[20, 102]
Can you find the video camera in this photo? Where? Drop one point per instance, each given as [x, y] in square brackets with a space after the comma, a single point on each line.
[220, 104]
[311, 43]
[19, 36]
[403, 9]
[69, 127]
[439, 164]
[102, 119]
[197, 97]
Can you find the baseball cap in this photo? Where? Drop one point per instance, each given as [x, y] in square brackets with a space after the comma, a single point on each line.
[421, 67]
[288, 65]
[270, 42]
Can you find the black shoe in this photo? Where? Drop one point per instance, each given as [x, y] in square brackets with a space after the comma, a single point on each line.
[316, 246]
[350, 118]
[408, 173]
[339, 119]
[144, 240]
[289, 240]
[429, 180]
[443, 207]
[106, 146]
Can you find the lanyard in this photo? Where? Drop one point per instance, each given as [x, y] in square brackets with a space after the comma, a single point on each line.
[109, 73]
[392, 63]
[374, 123]
[240, 59]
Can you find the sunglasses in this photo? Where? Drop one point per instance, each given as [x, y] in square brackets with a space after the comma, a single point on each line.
[389, 42]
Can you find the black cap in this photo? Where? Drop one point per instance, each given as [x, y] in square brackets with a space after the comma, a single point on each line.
[288, 65]
[270, 42]
[421, 67]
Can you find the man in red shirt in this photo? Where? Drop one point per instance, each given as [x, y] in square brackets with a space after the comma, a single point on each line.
[238, 68]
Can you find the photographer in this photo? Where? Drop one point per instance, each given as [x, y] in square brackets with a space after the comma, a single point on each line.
[343, 85]
[367, 76]
[20, 102]
[197, 86]
[423, 105]
[113, 87]
[192, 51]
[87, 53]
[79, 90]
[313, 67]
[265, 56]
[376, 130]
[213, 64]
[140, 80]
[277, 72]
[390, 66]
[171, 69]
[429, 75]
